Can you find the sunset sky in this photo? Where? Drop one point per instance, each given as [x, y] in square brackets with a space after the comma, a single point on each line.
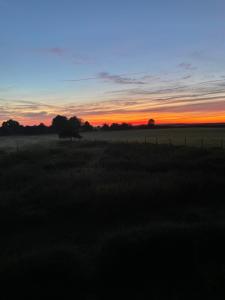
[112, 61]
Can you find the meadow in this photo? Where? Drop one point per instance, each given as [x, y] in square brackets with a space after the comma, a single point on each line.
[207, 137]
[196, 137]
[102, 220]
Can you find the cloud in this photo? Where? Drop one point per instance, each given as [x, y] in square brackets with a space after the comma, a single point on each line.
[173, 98]
[26, 110]
[81, 79]
[202, 87]
[187, 77]
[119, 79]
[187, 66]
[69, 55]
[198, 55]
[82, 60]
[57, 51]
[37, 115]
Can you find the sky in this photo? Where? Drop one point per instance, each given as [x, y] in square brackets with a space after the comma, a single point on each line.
[112, 61]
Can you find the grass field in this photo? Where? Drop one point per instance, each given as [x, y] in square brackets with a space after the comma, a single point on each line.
[198, 137]
[209, 137]
[100, 220]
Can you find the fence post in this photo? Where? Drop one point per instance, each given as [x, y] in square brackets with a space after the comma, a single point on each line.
[185, 141]
[156, 140]
[170, 142]
[145, 140]
[221, 144]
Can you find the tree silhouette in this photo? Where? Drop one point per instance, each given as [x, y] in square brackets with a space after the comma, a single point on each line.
[11, 127]
[67, 128]
[87, 126]
[105, 127]
[59, 123]
[74, 123]
[151, 123]
[115, 126]
[69, 132]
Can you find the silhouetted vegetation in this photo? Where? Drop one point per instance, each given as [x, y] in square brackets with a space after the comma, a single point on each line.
[123, 126]
[61, 125]
[151, 123]
[67, 128]
[87, 126]
[95, 220]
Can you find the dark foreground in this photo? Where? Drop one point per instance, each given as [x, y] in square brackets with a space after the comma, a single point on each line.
[112, 221]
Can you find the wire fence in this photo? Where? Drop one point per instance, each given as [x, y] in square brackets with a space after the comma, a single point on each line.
[185, 141]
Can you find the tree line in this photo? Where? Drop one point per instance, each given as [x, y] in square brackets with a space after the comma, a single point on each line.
[60, 125]
[126, 126]
[64, 127]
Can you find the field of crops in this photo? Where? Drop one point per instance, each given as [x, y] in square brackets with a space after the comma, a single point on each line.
[199, 137]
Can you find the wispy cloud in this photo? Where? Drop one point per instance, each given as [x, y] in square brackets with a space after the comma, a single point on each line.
[179, 100]
[67, 54]
[81, 79]
[82, 60]
[187, 66]
[57, 51]
[187, 77]
[119, 79]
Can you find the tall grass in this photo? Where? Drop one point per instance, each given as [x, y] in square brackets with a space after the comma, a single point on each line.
[100, 220]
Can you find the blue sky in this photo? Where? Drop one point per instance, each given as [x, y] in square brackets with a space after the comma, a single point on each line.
[112, 60]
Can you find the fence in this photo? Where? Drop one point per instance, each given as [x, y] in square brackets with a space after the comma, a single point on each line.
[185, 141]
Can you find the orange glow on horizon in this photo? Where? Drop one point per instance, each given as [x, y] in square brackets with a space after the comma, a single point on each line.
[139, 118]
[162, 118]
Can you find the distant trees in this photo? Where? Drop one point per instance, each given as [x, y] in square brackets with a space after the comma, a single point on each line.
[116, 126]
[63, 126]
[11, 127]
[59, 123]
[11, 124]
[105, 127]
[87, 126]
[69, 132]
[36, 129]
[151, 123]
[67, 128]
[127, 126]
[74, 123]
